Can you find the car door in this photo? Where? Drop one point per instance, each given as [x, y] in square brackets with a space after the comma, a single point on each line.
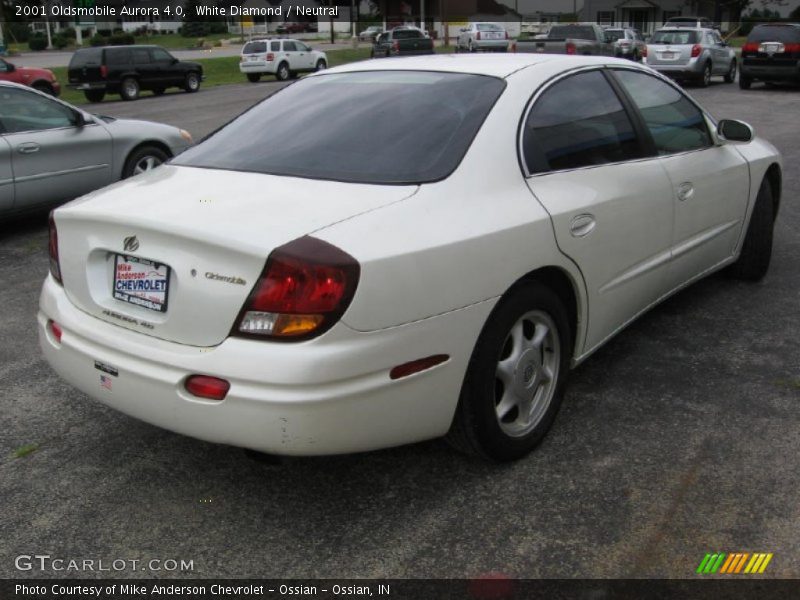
[143, 64]
[710, 183]
[168, 68]
[52, 158]
[292, 56]
[6, 176]
[610, 203]
[305, 56]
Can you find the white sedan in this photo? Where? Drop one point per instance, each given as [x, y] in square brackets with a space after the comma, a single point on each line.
[432, 261]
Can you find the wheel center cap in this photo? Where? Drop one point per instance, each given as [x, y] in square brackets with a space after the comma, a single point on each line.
[527, 370]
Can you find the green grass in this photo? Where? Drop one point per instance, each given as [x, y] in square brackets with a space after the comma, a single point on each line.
[25, 450]
[218, 71]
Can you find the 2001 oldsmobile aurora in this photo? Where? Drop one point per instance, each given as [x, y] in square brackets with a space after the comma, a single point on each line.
[385, 253]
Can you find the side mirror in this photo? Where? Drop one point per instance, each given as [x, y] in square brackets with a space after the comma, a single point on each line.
[175, 61]
[734, 131]
[78, 119]
[10, 68]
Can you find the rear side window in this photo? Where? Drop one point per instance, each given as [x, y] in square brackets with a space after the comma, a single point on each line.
[578, 122]
[788, 34]
[615, 34]
[118, 56]
[675, 37]
[359, 127]
[275, 46]
[87, 57]
[675, 123]
[254, 48]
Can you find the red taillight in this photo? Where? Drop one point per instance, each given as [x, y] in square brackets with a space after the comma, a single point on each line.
[513, 46]
[571, 48]
[305, 287]
[415, 366]
[697, 49]
[55, 329]
[478, 35]
[791, 48]
[270, 57]
[210, 388]
[103, 71]
[55, 265]
[750, 47]
[506, 35]
[396, 46]
[644, 52]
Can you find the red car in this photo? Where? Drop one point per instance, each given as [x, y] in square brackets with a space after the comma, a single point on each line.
[39, 79]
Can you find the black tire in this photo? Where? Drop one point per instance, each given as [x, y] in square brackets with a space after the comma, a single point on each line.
[321, 65]
[753, 262]
[253, 77]
[159, 91]
[191, 83]
[705, 78]
[140, 155]
[744, 82]
[45, 87]
[730, 76]
[282, 74]
[476, 427]
[95, 95]
[129, 89]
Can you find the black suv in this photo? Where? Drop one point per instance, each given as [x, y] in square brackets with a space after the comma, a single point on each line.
[771, 54]
[126, 70]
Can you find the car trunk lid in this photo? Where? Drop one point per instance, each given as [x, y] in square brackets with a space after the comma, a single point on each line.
[174, 253]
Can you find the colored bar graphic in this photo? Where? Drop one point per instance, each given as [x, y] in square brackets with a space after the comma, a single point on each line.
[734, 562]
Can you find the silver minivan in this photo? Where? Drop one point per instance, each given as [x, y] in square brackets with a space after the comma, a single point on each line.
[691, 54]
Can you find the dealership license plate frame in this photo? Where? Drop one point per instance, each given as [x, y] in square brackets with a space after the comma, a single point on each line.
[139, 300]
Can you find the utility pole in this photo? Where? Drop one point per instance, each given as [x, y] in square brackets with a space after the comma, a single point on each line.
[422, 14]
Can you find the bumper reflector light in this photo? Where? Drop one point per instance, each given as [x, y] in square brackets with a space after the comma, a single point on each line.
[415, 366]
[210, 388]
[55, 329]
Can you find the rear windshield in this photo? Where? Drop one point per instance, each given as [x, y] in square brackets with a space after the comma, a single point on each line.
[675, 37]
[775, 33]
[577, 32]
[383, 127]
[615, 34]
[254, 48]
[489, 27]
[406, 34]
[89, 56]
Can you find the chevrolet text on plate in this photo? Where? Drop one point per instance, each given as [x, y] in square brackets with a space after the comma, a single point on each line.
[394, 251]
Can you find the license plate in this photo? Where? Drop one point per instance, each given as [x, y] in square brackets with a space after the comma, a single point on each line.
[667, 55]
[771, 48]
[141, 282]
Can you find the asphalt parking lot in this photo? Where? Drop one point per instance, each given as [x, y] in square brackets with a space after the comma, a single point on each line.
[680, 437]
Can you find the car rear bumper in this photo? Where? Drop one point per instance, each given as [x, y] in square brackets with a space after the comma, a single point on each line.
[771, 72]
[258, 67]
[93, 85]
[490, 44]
[692, 69]
[326, 396]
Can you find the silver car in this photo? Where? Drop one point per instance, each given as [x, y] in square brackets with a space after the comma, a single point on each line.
[691, 54]
[51, 151]
[482, 36]
[628, 43]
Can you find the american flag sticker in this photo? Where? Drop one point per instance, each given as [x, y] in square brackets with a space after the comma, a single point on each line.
[105, 382]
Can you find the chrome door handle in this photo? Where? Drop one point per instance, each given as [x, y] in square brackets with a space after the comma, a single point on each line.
[685, 191]
[582, 225]
[28, 148]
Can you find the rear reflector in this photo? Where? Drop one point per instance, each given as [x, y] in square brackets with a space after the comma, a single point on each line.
[210, 388]
[55, 329]
[571, 48]
[415, 366]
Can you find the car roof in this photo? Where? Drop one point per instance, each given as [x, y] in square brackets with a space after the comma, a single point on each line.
[493, 65]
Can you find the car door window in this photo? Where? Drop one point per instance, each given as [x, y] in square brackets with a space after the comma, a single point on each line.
[161, 56]
[289, 47]
[118, 56]
[675, 123]
[3, 66]
[275, 46]
[141, 56]
[578, 122]
[301, 47]
[24, 111]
